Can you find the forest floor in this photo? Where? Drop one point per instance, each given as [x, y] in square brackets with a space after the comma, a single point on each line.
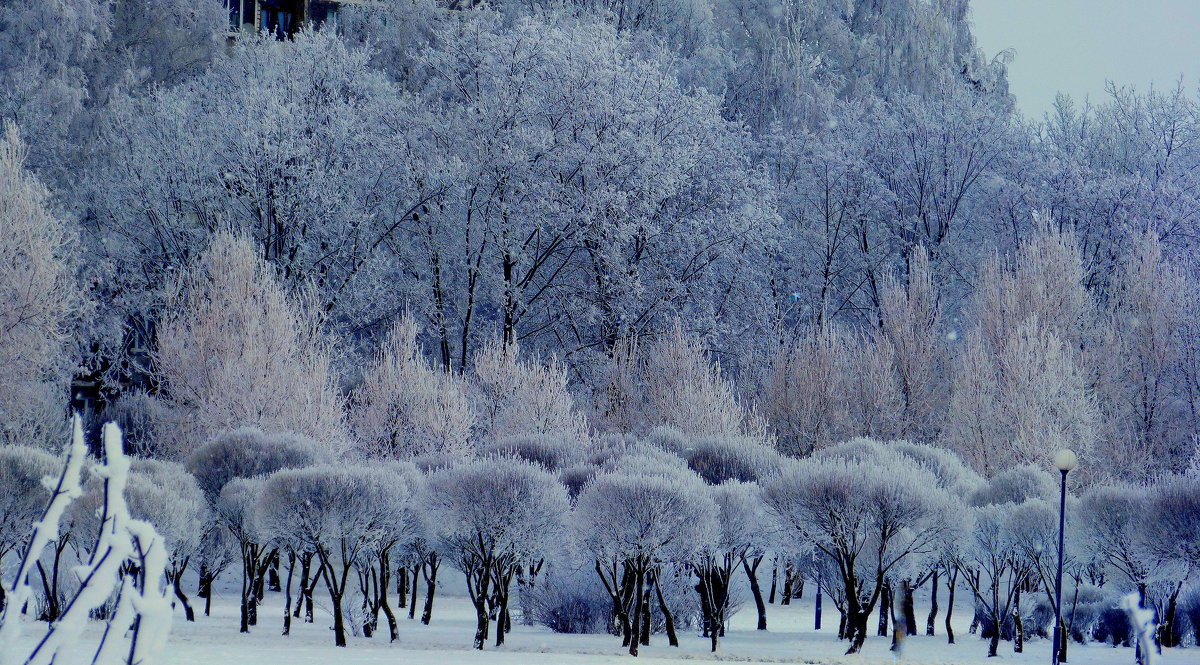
[214, 640]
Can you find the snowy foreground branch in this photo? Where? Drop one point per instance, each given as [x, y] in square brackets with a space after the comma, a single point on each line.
[126, 566]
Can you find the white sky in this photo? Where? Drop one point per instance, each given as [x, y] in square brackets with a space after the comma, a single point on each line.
[1073, 46]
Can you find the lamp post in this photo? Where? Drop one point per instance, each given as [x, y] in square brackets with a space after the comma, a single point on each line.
[1065, 460]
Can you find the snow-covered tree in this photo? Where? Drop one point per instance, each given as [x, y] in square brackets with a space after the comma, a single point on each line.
[598, 198]
[517, 395]
[831, 384]
[672, 382]
[632, 522]
[910, 324]
[491, 517]
[869, 517]
[341, 513]
[405, 408]
[236, 350]
[1139, 389]
[38, 296]
[1019, 398]
[167, 496]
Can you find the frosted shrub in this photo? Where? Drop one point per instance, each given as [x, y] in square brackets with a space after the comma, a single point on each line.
[554, 452]
[141, 417]
[1016, 485]
[719, 459]
[236, 349]
[24, 497]
[570, 601]
[520, 396]
[668, 438]
[673, 382]
[249, 452]
[404, 407]
[576, 477]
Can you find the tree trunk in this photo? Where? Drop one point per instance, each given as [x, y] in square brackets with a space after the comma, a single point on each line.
[384, 604]
[245, 602]
[645, 631]
[994, 642]
[287, 602]
[1168, 629]
[857, 625]
[305, 561]
[636, 624]
[339, 622]
[1018, 625]
[885, 606]
[950, 585]
[412, 606]
[308, 598]
[909, 608]
[933, 606]
[206, 581]
[188, 612]
[668, 617]
[787, 585]
[756, 590]
[402, 586]
[774, 577]
[430, 587]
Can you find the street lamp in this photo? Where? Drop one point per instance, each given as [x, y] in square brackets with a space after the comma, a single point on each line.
[1065, 460]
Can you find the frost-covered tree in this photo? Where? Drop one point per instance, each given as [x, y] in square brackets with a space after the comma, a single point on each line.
[632, 522]
[45, 52]
[1019, 401]
[38, 296]
[299, 174]
[341, 513]
[577, 221]
[910, 324]
[1139, 387]
[1112, 521]
[744, 538]
[672, 382]
[869, 517]
[405, 408]
[831, 384]
[491, 517]
[992, 568]
[517, 395]
[236, 350]
[229, 468]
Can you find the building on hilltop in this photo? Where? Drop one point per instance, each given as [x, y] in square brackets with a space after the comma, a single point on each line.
[283, 18]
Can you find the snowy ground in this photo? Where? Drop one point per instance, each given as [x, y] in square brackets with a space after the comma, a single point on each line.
[215, 641]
